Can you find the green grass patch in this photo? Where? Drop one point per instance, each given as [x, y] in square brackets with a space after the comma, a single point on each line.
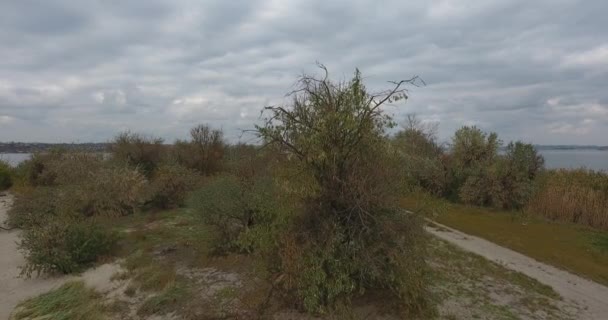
[578, 249]
[72, 301]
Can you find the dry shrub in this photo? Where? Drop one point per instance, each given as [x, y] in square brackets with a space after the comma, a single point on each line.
[578, 196]
[112, 191]
[143, 152]
[204, 152]
[170, 186]
[32, 209]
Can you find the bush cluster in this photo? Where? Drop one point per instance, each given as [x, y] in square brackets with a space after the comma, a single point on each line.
[203, 153]
[58, 215]
[170, 185]
[473, 170]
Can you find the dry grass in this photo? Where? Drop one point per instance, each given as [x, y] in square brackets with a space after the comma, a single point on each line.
[72, 301]
[578, 196]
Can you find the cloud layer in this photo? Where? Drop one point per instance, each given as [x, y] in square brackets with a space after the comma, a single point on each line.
[82, 71]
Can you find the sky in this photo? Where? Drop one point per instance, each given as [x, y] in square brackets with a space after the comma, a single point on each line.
[82, 71]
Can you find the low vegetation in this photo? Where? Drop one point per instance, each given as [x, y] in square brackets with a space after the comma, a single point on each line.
[576, 196]
[72, 301]
[6, 179]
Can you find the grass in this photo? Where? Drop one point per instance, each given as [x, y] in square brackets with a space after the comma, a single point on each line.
[72, 301]
[578, 249]
[167, 301]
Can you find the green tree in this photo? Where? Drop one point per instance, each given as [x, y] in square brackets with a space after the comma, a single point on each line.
[351, 234]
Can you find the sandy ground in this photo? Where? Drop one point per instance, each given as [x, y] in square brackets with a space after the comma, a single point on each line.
[591, 296]
[14, 289]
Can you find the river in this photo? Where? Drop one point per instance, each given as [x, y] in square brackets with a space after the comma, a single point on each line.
[591, 159]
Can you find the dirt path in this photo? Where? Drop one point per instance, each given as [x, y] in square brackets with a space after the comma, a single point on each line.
[591, 296]
[14, 289]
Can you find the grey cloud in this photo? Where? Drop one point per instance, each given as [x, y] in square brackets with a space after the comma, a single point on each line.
[84, 70]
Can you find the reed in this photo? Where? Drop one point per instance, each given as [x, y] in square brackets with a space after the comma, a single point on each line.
[577, 196]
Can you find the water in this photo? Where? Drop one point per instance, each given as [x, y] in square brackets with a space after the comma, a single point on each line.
[591, 159]
[14, 158]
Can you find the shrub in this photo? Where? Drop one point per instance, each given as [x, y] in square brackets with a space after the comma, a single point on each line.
[577, 196]
[64, 246]
[351, 236]
[112, 191]
[58, 167]
[170, 186]
[33, 208]
[422, 156]
[204, 152]
[6, 180]
[145, 153]
[86, 190]
[246, 216]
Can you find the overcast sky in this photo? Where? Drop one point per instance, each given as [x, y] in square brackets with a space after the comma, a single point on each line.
[79, 71]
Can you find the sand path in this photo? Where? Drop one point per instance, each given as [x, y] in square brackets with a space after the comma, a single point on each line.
[591, 296]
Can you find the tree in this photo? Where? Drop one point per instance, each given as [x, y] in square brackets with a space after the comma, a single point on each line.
[350, 235]
[422, 155]
[204, 152]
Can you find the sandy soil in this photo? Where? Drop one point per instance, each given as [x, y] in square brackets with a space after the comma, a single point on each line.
[14, 289]
[591, 296]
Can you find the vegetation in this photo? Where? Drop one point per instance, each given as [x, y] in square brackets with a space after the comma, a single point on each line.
[137, 150]
[245, 215]
[350, 236]
[313, 215]
[72, 301]
[204, 152]
[170, 186]
[578, 249]
[6, 180]
[64, 246]
[577, 196]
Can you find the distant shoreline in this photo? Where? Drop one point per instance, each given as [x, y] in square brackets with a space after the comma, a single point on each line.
[27, 147]
[33, 147]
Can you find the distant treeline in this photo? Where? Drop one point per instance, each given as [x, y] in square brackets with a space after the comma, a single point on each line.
[33, 147]
[570, 147]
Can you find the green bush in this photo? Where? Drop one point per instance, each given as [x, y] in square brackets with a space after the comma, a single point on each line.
[64, 246]
[170, 186]
[350, 236]
[245, 215]
[422, 156]
[6, 180]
